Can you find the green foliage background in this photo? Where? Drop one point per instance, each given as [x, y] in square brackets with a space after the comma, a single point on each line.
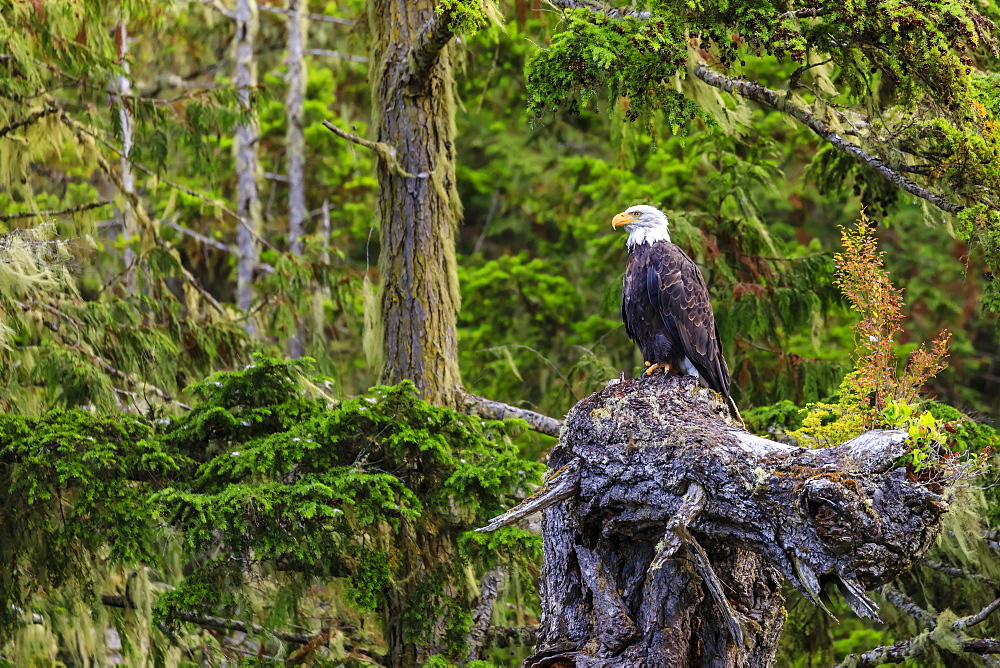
[264, 484]
[145, 453]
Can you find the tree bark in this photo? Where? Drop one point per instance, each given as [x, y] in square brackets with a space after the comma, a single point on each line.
[426, 552]
[295, 143]
[247, 200]
[667, 531]
[489, 592]
[122, 90]
[418, 206]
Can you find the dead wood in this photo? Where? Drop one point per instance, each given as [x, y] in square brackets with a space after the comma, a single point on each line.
[667, 531]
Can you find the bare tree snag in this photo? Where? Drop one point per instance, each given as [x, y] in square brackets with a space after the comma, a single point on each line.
[121, 90]
[667, 531]
[295, 142]
[247, 167]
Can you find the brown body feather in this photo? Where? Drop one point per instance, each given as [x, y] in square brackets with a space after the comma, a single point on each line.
[668, 314]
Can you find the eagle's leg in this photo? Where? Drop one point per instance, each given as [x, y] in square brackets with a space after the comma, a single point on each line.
[653, 368]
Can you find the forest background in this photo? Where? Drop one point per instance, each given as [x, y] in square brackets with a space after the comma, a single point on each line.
[171, 204]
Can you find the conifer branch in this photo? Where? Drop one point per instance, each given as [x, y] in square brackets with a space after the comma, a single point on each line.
[579, 4]
[497, 410]
[979, 617]
[173, 184]
[383, 150]
[217, 6]
[301, 655]
[804, 13]
[600, 8]
[56, 312]
[196, 284]
[60, 212]
[916, 646]
[327, 18]
[337, 54]
[907, 605]
[28, 120]
[434, 36]
[504, 636]
[87, 137]
[129, 379]
[208, 241]
[793, 80]
[309, 642]
[208, 621]
[95, 359]
[489, 591]
[780, 102]
[960, 572]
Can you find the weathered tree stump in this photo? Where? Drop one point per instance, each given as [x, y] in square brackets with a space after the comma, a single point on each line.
[667, 531]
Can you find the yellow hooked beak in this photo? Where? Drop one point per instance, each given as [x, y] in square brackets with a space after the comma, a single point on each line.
[623, 218]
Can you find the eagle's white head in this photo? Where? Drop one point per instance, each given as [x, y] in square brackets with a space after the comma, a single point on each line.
[645, 224]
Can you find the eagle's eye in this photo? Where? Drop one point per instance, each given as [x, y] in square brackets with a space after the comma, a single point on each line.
[637, 214]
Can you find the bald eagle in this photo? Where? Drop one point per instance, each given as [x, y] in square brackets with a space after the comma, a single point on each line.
[665, 304]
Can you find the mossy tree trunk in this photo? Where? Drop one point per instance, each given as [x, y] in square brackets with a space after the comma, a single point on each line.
[418, 619]
[418, 210]
[413, 100]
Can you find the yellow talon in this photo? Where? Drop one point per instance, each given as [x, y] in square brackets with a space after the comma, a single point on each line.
[652, 368]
